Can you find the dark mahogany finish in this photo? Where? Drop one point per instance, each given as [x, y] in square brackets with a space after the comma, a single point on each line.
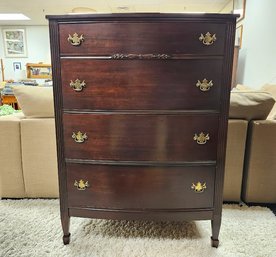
[141, 85]
[140, 187]
[140, 137]
[140, 109]
[141, 37]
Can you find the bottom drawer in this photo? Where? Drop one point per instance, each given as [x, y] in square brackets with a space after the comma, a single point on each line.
[139, 187]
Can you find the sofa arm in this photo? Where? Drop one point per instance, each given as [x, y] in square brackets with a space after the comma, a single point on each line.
[234, 159]
[259, 182]
[11, 174]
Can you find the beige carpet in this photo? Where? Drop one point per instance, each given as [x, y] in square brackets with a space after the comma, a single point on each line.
[32, 228]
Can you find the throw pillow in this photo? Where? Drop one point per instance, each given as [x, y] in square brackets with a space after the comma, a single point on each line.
[250, 105]
[34, 101]
[242, 87]
[272, 90]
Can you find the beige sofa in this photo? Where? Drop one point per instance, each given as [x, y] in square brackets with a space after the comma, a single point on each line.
[29, 164]
[259, 175]
[28, 157]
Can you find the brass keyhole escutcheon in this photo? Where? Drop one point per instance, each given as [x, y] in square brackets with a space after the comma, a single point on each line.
[199, 187]
[75, 40]
[79, 137]
[81, 185]
[208, 39]
[77, 85]
[201, 139]
[204, 85]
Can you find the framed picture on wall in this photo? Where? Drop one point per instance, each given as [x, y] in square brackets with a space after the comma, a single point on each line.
[239, 8]
[15, 42]
[39, 71]
[238, 38]
[16, 66]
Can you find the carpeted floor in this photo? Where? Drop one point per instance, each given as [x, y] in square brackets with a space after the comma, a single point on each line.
[32, 228]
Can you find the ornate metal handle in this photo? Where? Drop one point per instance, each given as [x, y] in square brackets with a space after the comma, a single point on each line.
[205, 85]
[79, 137]
[81, 185]
[139, 56]
[75, 40]
[201, 139]
[77, 85]
[199, 187]
[208, 39]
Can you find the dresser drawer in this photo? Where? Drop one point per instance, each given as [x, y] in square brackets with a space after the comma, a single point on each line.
[105, 186]
[140, 137]
[109, 38]
[136, 84]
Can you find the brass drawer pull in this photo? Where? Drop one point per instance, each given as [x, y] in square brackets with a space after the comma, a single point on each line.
[79, 137]
[201, 139]
[81, 185]
[75, 40]
[199, 187]
[77, 85]
[208, 39]
[205, 85]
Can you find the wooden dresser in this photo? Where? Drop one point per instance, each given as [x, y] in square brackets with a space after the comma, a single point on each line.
[141, 105]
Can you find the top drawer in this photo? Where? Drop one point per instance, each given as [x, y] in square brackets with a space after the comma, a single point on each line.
[109, 38]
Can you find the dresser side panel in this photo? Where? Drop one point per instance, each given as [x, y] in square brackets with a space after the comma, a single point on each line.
[58, 106]
[223, 125]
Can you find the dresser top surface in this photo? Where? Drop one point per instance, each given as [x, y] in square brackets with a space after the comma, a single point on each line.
[143, 16]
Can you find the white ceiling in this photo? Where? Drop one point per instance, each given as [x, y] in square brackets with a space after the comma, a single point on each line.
[37, 9]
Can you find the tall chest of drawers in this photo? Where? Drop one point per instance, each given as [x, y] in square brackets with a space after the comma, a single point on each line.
[141, 108]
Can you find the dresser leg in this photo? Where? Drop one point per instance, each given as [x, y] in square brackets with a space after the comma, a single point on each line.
[216, 222]
[214, 242]
[65, 221]
[66, 239]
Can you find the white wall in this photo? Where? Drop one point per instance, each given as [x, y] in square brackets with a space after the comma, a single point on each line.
[228, 8]
[257, 57]
[38, 49]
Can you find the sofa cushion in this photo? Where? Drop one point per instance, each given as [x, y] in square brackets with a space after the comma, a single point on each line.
[259, 184]
[243, 87]
[250, 105]
[39, 157]
[272, 90]
[35, 101]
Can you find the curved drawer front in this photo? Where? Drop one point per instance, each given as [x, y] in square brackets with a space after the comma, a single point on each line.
[104, 186]
[107, 38]
[136, 84]
[140, 137]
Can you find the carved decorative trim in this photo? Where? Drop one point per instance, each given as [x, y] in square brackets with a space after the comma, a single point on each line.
[140, 56]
